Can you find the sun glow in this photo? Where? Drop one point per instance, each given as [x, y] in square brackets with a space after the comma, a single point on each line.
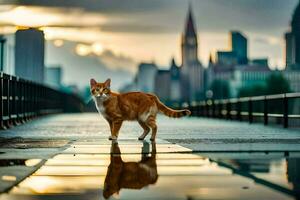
[83, 49]
[58, 43]
[97, 49]
[25, 17]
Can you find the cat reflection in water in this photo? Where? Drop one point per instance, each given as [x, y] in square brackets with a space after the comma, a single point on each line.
[130, 175]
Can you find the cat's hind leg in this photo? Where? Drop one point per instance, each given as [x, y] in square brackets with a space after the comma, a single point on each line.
[146, 130]
[152, 124]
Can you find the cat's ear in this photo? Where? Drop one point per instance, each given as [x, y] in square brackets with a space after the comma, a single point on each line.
[107, 83]
[93, 82]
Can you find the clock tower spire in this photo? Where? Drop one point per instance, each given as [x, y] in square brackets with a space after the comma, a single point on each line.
[189, 41]
[191, 72]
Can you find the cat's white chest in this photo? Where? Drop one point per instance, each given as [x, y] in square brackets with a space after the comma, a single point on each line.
[101, 108]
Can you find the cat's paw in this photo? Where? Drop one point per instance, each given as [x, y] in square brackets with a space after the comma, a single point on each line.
[141, 138]
[152, 139]
[112, 138]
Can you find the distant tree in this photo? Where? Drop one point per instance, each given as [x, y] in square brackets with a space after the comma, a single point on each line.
[255, 90]
[277, 84]
[274, 84]
[220, 89]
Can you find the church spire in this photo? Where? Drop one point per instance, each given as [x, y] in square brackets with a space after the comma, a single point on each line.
[190, 27]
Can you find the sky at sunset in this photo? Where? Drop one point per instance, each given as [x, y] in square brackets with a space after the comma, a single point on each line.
[121, 33]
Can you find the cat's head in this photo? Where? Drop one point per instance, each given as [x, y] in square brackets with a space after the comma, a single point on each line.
[100, 90]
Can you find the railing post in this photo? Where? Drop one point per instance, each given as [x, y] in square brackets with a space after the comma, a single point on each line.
[23, 101]
[12, 99]
[250, 116]
[206, 109]
[285, 112]
[239, 110]
[198, 108]
[220, 106]
[1, 101]
[26, 100]
[8, 121]
[266, 119]
[213, 108]
[228, 109]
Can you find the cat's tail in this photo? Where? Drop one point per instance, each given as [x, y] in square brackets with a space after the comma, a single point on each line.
[170, 112]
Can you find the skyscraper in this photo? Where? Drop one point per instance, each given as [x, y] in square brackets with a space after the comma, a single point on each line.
[296, 32]
[289, 49]
[29, 54]
[146, 77]
[53, 76]
[239, 46]
[162, 85]
[292, 42]
[2, 42]
[192, 72]
[175, 95]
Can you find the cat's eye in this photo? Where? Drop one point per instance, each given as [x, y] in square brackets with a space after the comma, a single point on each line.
[105, 90]
[97, 90]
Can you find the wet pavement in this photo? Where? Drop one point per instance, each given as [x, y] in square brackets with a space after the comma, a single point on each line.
[91, 167]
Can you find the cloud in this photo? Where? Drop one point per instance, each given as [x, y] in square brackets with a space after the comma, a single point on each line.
[79, 69]
[150, 29]
[44, 16]
[103, 6]
[268, 40]
[155, 16]
[117, 62]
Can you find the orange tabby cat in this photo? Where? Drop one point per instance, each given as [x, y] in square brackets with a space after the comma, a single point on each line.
[139, 106]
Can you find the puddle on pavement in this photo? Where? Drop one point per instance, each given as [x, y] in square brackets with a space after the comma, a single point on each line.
[27, 143]
[149, 171]
[19, 162]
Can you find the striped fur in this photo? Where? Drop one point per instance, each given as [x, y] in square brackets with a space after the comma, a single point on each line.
[170, 112]
[138, 106]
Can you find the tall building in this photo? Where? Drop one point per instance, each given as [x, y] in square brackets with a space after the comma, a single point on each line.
[8, 53]
[162, 85]
[260, 62]
[2, 42]
[296, 32]
[192, 72]
[239, 46]
[226, 58]
[54, 76]
[189, 43]
[289, 49]
[238, 53]
[292, 42]
[29, 54]
[146, 76]
[175, 95]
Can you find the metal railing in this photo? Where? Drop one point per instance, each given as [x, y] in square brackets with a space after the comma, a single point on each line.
[22, 100]
[246, 108]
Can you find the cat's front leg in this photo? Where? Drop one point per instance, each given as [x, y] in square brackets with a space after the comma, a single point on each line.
[111, 129]
[116, 125]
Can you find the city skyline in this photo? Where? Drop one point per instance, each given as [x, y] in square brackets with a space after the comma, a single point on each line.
[148, 31]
